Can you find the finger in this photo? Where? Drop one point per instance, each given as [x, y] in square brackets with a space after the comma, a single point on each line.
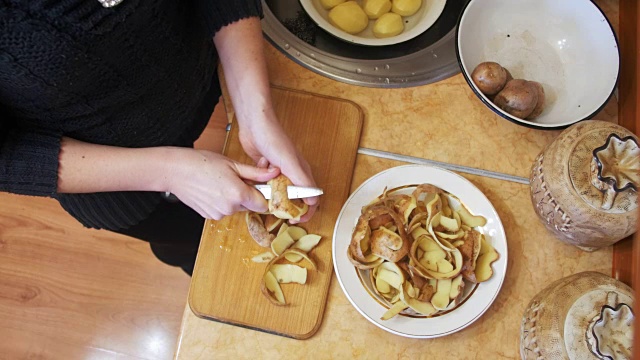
[311, 201]
[249, 172]
[255, 202]
[263, 163]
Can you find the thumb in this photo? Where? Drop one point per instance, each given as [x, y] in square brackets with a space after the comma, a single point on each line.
[257, 174]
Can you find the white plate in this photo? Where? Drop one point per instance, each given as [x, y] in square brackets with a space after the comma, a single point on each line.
[414, 25]
[348, 276]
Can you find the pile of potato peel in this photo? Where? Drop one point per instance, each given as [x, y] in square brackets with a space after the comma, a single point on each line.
[286, 243]
[420, 252]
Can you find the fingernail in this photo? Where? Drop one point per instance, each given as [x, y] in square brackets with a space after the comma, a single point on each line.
[271, 169]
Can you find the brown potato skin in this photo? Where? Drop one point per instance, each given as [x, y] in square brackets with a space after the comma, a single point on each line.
[541, 101]
[519, 97]
[490, 77]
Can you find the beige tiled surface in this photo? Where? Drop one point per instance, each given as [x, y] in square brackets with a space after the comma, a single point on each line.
[444, 122]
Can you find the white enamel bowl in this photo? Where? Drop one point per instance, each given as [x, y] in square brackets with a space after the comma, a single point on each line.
[568, 46]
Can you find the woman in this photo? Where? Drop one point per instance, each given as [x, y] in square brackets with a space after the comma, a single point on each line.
[101, 105]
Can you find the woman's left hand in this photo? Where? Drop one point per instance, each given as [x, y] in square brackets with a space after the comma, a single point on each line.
[267, 140]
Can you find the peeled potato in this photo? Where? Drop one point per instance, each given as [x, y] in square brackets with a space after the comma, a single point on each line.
[376, 8]
[540, 104]
[519, 97]
[490, 77]
[349, 17]
[330, 4]
[389, 24]
[406, 7]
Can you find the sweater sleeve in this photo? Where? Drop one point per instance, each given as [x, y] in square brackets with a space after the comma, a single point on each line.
[28, 160]
[219, 13]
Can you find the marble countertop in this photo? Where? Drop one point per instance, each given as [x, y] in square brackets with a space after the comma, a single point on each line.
[443, 122]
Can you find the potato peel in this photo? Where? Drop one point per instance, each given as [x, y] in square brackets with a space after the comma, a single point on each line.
[442, 243]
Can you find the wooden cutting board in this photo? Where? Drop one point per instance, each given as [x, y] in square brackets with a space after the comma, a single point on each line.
[226, 284]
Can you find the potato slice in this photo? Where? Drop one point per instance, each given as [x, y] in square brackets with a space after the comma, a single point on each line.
[457, 285]
[394, 280]
[409, 297]
[282, 228]
[431, 274]
[288, 273]
[387, 238]
[271, 222]
[440, 299]
[486, 257]
[272, 290]
[396, 309]
[300, 253]
[449, 224]
[444, 266]
[257, 230]
[281, 243]
[296, 232]
[455, 236]
[396, 276]
[471, 220]
[382, 285]
[264, 257]
[470, 251]
[308, 242]
[364, 265]
[418, 232]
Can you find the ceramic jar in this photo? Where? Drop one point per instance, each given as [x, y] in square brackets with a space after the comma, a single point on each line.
[584, 316]
[584, 184]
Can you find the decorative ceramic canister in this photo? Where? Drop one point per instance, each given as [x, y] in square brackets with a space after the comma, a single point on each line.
[584, 316]
[584, 185]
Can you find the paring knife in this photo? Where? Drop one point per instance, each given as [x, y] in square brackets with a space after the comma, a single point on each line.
[293, 192]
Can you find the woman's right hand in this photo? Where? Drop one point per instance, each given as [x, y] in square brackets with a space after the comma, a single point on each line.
[214, 185]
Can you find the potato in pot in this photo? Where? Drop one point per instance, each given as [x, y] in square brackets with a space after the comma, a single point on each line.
[490, 77]
[376, 8]
[519, 98]
[388, 25]
[349, 17]
[330, 4]
[406, 7]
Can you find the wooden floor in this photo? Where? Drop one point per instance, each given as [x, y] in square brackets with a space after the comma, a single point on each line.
[67, 292]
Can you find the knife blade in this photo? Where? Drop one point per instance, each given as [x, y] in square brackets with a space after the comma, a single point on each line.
[293, 192]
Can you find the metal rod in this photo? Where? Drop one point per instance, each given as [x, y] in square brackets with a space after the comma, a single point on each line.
[452, 167]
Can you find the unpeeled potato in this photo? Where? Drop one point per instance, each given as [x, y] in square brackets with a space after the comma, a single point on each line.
[541, 100]
[519, 97]
[406, 7]
[376, 8]
[349, 17]
[389, 24]
[490, 77]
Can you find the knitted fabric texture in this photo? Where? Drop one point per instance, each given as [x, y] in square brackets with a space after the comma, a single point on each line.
[140, 74]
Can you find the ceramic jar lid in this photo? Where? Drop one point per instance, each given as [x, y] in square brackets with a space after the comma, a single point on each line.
[584, 316]
[584, 184]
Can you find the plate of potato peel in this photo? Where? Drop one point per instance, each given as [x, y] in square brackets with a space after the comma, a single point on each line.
[374, 22]
[419, 251]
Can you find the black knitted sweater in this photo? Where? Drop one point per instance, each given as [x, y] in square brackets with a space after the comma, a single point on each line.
[139, 74]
